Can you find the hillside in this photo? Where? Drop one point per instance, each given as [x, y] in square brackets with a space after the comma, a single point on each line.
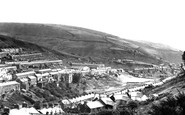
[170, 94]
[79, 44]
[161, 51]
[173, 86]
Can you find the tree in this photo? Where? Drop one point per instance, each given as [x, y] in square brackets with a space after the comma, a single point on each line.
[132, 105]
[76, 77]
[37, 105]
[183, 57]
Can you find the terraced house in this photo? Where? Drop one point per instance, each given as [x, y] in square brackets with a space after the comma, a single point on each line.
[8, 87]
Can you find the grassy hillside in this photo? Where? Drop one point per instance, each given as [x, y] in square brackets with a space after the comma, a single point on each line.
[161, 51]
[171, 95]
[84, 44]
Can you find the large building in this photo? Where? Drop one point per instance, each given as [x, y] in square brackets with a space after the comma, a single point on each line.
[66, 76]
[25, 79]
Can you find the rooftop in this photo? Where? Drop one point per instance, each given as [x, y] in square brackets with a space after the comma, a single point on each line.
[25, 73]
[41, 62]
[94, 104]
[8, 83]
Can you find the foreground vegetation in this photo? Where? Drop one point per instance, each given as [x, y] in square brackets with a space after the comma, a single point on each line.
[173, 105]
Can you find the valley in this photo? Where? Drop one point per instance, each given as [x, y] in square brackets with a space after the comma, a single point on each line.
[80, 71]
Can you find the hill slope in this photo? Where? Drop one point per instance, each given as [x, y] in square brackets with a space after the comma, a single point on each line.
[90, 45]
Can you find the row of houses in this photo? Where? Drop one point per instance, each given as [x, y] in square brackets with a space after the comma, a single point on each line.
[96, 103]
[17, 54]
[11, 50]
[90, 65]
[37, 77]
[44, 76]
[93, 103]
[30, 79]
[94, 69]
[26, 110]
[25, 57]
[24, 64]
[7, 87]
[156, 70]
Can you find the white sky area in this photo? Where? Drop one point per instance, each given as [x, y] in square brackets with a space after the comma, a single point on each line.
[160, 21]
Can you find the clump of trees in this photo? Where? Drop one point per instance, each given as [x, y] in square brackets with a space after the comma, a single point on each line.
[16, 97]
[64, 90]
[52, 92]
[171, 106]
[46, 95]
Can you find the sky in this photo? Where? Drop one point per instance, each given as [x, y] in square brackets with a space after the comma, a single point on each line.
[159, 21]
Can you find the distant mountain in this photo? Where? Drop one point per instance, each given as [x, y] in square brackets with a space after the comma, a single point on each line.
[158, 45]
[90, 45]
[160, 51]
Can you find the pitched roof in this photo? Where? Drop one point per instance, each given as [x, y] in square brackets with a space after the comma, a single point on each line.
[25, 73]
[9, 83]
[32, 77]
[23, 111]
[121, 97]
[107, 101]
[94, 104]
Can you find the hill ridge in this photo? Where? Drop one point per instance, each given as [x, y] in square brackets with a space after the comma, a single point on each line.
[81, 42]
